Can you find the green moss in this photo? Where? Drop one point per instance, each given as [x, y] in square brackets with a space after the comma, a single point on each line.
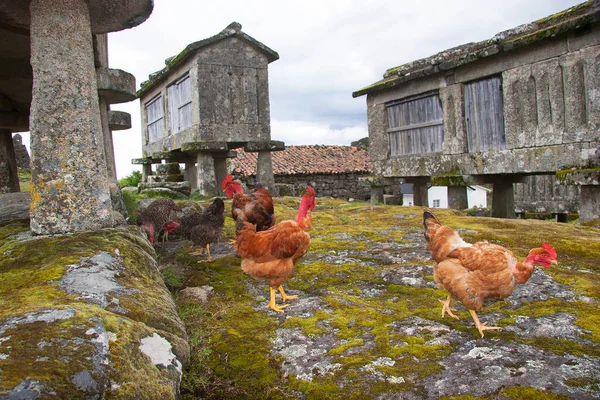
[526, 392]
[453, 178]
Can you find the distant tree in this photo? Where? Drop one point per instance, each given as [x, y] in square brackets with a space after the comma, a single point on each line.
[362, 144]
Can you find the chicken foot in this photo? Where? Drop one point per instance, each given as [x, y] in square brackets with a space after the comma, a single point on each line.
[284, 296]
[272, 305]
[482, 326]
[446, 307]
[201, 251]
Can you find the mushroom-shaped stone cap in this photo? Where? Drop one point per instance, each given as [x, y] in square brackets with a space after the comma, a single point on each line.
[105, 15]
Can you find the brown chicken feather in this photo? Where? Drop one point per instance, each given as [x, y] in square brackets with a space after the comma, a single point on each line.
[256, 208]
[476, 272]
[270, 254]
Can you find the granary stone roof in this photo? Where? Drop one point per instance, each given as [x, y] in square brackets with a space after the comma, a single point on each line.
[512, 39]
[306, 160]
[233, 29]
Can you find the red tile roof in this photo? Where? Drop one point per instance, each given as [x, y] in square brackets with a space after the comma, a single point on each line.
[299, 160]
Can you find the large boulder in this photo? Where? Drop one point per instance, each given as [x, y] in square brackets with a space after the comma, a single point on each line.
[86, 316]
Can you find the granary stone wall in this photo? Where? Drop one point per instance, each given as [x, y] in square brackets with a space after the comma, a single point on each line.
[339, 186]
[545, 194]
[548, 116]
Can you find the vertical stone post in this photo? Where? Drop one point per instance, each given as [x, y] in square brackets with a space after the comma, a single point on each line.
[376, 194]
[420, 193]
[264, 171]
[207, 179]
[190, 174]
[220, 170]
[69, 186]
[146, 172]
[457, 197]
[503, 200]
[9, 177]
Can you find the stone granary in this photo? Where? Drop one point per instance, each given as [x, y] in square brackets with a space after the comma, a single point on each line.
[209, 99]
[522, 103]
[56, 83]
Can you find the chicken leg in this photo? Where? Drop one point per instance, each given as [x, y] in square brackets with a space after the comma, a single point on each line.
[482, 326]
[272, 305]
[446, 307]
[201, 251]
[284, 296]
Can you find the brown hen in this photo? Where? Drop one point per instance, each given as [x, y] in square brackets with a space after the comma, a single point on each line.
[475, 272]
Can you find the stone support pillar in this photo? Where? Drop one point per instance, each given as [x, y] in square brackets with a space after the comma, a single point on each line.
[264, 171]
[69, 185]
[190, 174]
[420, 193]
[589, 208]
[503, 200]
[207, 178]
[376, 194]
[220, 170]
[9, 177]
[109, 149]
[457, 197]
[146, 172]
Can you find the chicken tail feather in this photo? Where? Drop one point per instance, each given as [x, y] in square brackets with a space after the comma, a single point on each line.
[430, 223]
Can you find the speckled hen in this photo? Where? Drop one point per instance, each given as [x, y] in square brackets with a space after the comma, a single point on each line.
[159, 215]
[204, 228]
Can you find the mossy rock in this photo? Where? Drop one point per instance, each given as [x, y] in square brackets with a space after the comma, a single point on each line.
[86, 316]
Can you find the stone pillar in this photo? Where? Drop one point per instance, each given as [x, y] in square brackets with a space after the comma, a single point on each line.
[376, 194]
[9, 177]
[69, 186]
[146, 172]
[207, 179]
[457, 197]
[420, 193]
[109, 149]
[589, 208]
[264, 171]
[220, 170]
[190, 175]
[503, 200]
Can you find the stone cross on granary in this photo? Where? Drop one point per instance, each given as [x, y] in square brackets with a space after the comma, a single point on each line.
[60, 90]
[209, 99]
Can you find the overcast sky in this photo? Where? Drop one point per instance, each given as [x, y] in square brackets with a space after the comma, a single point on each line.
[327, 50]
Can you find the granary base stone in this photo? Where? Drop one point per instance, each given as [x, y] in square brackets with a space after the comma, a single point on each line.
[457, 197]
[69, 182]
[207, 179]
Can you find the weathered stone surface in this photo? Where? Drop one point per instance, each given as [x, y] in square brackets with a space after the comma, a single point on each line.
[181, 189]
[15, 207]
[119, 120]
[99, 298]
[69, 182]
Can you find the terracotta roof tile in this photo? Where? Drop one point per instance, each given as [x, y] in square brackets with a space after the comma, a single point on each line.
[301, 160]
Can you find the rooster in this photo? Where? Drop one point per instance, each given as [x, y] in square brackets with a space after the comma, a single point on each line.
[160, 215]
[256, 209]
[475, 272]
[270, 255]
[204, 228]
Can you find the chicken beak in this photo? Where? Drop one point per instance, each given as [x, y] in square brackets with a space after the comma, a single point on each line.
[555, 262]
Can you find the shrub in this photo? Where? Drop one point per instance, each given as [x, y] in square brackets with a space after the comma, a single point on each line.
[131, 180]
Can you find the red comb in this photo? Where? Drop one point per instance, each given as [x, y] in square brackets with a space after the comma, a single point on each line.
[549, 249]
[310, 190]
[227, 179]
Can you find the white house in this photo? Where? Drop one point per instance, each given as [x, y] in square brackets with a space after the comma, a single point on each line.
[438, 196]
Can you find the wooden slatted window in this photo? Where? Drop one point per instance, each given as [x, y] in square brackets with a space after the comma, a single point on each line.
[416, 125]
[484, 114]
[155, 119]
[180, 104]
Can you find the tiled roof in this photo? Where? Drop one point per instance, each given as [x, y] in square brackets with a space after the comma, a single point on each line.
[299, 160]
